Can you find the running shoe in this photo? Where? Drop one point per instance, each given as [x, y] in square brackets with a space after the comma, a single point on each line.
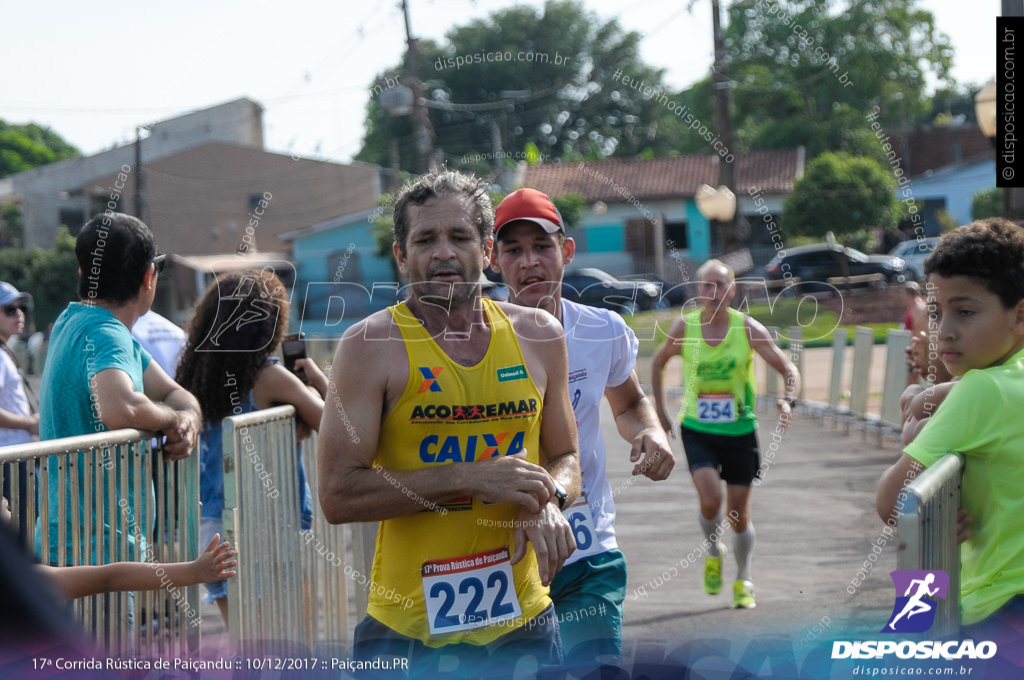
[743, 595]
[713, 573]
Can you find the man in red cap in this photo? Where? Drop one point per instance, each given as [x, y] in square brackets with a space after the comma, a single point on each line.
[531, 250]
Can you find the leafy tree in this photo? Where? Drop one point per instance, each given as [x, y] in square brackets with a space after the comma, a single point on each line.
[50, 276]
[842, 194]
[987, 203]
[570, 101]
[12, 226]
[949, 105]
[807, 71]
[571, 208]
[23, 147]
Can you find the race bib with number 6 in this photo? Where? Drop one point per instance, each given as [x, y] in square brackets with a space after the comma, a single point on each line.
[716, 407]
[583, 528]
[468, 592]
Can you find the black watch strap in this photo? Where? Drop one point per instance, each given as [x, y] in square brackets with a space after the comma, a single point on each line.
[561, 494]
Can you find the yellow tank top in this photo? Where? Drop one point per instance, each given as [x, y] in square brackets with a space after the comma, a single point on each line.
[442, 575]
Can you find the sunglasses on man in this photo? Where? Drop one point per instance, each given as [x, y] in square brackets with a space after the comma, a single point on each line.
[159, 261]
[12, 310]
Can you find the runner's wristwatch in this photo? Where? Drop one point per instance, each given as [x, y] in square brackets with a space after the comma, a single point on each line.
[789, 400]
[561, 494]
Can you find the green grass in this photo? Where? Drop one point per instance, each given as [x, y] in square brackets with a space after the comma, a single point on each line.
[819, 324]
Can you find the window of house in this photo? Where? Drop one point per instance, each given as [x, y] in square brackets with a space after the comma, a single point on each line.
[676, 235]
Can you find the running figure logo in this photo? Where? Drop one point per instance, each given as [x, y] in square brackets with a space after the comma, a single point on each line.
[914, 611]
[251, 302]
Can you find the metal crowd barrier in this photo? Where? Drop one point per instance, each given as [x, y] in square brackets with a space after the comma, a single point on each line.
[71, 497]
[926, 525]
[896, 344]
[290, 593]
[835, 385]
[863, 341]
[796, 355]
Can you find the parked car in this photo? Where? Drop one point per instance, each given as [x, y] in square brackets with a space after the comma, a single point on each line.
[914, 252]
[671, 294]
[598, 288]
[820, 261]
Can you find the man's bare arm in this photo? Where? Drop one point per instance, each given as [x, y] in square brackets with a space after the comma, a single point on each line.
[669, 348]
[762, 343]
[160, 387]
[118, 406]
[638, 424]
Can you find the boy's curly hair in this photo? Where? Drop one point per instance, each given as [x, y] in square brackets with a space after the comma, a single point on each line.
[989, 252]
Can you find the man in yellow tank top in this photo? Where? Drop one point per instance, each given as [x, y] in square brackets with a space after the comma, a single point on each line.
[449, 421]
[719, 424]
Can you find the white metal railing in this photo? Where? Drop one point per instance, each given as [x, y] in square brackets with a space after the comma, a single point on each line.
[290, 593]
[926, 525]
[109, 497]
[863, 341]
[896, 344]
[835, 385]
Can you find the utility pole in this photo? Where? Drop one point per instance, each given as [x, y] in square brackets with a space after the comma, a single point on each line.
[422, 131]
[139, 200]
[723, 122]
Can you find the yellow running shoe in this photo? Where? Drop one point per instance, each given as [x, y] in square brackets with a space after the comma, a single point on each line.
[743, 595]
[713, 573]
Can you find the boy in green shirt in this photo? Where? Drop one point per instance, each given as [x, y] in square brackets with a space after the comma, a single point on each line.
[976, 320]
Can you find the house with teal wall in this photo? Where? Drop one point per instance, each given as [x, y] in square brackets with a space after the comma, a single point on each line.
[642, 217]
[339, 276]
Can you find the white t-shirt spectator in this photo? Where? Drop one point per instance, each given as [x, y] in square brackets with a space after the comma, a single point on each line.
[162, 339]
[12, 400]
[602, 353]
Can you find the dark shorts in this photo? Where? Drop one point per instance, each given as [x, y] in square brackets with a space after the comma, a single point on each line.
[539, 639]
[736, 458]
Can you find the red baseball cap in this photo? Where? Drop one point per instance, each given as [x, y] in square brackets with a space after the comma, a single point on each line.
[530, 205]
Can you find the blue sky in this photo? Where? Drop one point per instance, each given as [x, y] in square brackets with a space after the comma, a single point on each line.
[98, 70]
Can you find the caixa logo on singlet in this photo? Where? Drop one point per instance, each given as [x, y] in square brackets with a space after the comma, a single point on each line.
[468, 448]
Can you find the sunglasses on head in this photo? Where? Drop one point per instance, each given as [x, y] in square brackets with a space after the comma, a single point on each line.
[12, 310]
[159, 262]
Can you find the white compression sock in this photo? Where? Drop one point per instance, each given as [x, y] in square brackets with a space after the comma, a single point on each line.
[743, 542]
[710, 528]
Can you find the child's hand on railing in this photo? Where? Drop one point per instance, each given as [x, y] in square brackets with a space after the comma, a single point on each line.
[216, 562]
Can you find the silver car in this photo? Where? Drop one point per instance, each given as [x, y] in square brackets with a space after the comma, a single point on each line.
[914, 252]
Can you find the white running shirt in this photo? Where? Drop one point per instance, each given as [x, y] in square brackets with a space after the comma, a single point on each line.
[602, 353]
